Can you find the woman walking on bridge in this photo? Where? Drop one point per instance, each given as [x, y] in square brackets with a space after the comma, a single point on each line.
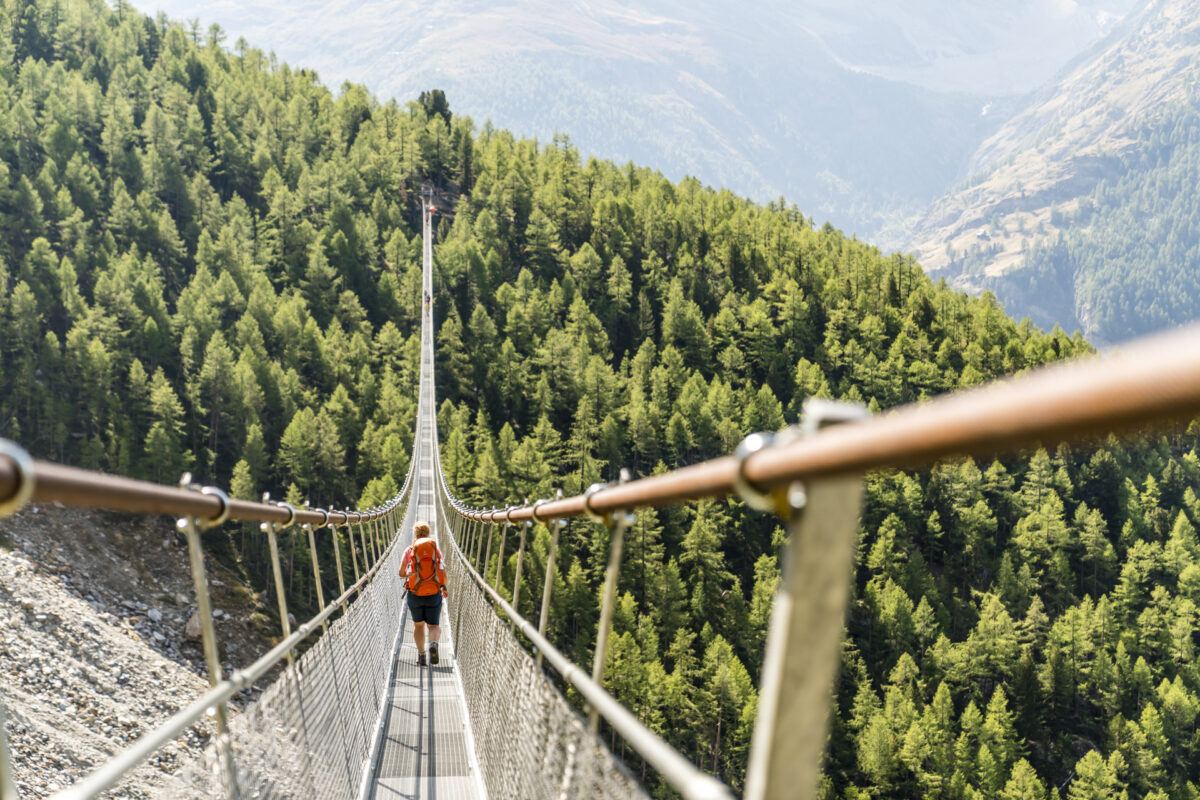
[424, 571]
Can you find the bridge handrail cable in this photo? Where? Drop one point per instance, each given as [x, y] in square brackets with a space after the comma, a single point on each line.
[1149, 382]
[683, 776]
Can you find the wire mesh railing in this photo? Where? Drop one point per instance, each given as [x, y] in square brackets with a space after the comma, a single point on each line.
[310, 733]
[313, 731]
[530, 741]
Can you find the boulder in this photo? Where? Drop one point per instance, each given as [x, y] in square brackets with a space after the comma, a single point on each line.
[192, 629]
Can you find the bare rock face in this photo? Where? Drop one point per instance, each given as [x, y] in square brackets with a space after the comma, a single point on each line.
[192, 629]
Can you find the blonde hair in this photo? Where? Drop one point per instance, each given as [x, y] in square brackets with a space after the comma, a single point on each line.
[421, 530]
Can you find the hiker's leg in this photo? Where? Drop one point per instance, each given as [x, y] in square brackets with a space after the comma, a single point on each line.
[419, 636]
[433, 615]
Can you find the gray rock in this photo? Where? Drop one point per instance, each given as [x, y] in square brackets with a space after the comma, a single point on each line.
[192, 629]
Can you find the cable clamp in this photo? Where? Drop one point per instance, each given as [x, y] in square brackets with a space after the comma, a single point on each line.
[221, 517]
[291, 509]
[594, 516]
[750, 494]
[25, 477]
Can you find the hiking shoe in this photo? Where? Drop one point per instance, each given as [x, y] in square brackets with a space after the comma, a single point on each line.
[433, 656]
[421, 659]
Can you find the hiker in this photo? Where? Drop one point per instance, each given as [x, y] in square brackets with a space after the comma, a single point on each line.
[424, 572]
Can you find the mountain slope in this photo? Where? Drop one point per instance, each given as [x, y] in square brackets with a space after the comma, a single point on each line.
[1077, 211]
[859, 114]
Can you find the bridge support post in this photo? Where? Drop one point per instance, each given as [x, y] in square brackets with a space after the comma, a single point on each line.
[520, 562]
[472, 537]
[487, 556]
[500, 553]
[8, 786]
[354, 549]
[556, 527]
[277, 570]
[617, 524]
[337, 558]
[9, 506]
[208, 631]
[312, 548]
[805, 634]
[479, 543]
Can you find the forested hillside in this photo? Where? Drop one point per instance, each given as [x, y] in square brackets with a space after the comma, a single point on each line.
[1017, 627]
[209, 262]
[1080, 210]
[1129, 251]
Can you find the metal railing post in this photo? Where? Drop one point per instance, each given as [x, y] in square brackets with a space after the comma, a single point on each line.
[500, 553]
[8, 784]
[487, 556]
[366, 547]
[354, 548]
[520, 559]
[8, 507]
[807, 620]
[617, 524]
[479, 543]
[337, 558]
[208, 631]
[556, 527]
[312, 548]
[376, 550]
[277, 570]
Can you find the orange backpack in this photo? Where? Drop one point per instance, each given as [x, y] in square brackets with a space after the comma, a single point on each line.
[427, 574]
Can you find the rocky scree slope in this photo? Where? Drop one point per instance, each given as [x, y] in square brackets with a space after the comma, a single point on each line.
[96, 649]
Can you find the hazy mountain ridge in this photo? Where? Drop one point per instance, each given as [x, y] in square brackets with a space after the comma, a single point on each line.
[1038, 177]
[858, 113]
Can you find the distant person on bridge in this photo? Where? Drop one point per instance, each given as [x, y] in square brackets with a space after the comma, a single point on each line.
[424, 571]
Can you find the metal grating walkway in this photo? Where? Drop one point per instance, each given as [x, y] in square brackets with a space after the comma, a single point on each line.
[427, 750]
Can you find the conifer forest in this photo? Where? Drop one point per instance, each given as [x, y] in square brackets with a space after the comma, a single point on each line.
[210, 261]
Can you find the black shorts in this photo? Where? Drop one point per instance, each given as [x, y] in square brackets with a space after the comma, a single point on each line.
[427, 608]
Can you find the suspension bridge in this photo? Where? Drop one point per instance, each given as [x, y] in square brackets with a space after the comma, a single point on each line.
[354, 717]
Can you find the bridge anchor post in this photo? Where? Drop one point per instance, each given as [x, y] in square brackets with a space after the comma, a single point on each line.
[805, 633]
[208, 632]
[9, 506]
[617, 523]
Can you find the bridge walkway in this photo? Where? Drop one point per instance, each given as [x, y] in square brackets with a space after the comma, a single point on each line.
[427, 749]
